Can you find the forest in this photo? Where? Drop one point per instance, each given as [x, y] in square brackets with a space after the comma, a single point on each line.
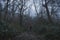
[29, 19]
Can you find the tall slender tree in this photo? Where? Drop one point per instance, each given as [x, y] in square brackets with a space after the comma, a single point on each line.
[6, 10]
[22, 8]
[0, 11]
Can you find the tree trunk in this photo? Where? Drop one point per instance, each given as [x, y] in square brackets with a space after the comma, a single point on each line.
[0, 16]
[6, 11]
[21, 13]
[0, 11]
[21, 19]
[48, 14]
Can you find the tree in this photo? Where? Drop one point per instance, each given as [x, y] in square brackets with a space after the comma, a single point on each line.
[47, 10]
[0, 11]
[35, 7]
[53, 4]
[6, 10]
[22, 8]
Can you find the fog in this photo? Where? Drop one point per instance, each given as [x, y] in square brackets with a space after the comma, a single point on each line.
[29, 19]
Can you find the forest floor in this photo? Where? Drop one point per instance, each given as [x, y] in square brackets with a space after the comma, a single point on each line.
[28, 36]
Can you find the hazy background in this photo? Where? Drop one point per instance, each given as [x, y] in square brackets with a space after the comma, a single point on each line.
[29, 19]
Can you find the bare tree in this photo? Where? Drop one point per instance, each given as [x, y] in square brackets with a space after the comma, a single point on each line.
[47, 10]
[0, 11]
[35, 7]
[22, 8]
[6, 10]
[54, 5]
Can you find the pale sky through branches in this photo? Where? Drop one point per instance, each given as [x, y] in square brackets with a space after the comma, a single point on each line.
[29, 3]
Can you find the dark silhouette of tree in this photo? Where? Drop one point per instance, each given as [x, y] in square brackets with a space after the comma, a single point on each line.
[6, 11]
[22, 9]
[0, 11]
[47, 10]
